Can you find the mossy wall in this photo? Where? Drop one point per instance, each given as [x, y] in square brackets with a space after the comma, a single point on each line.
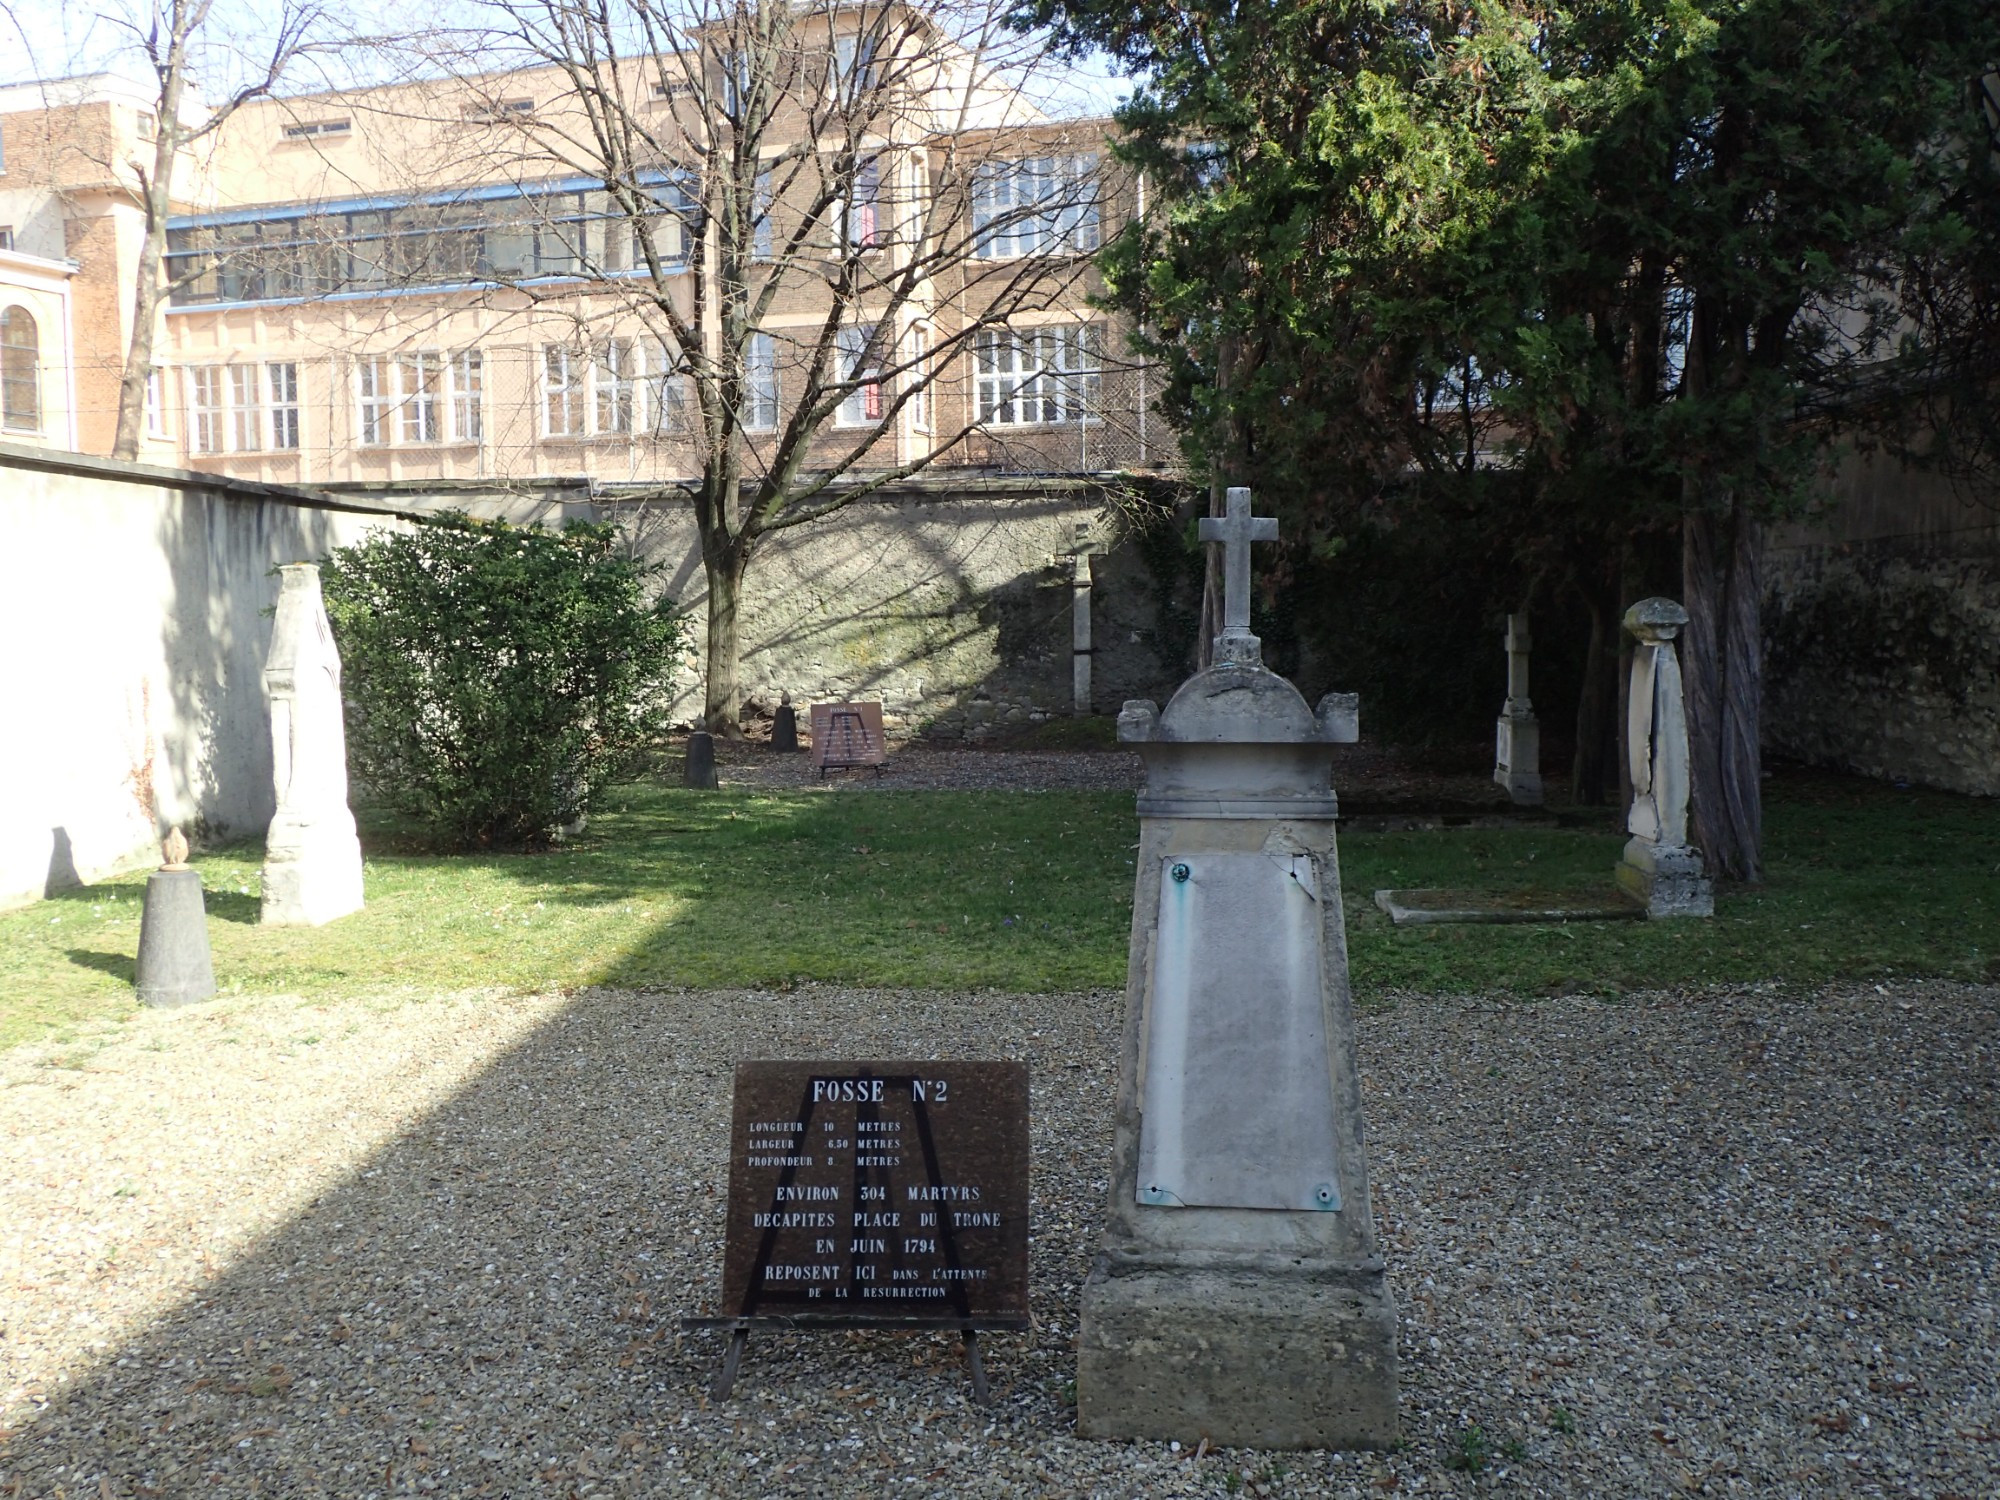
[1882, 632]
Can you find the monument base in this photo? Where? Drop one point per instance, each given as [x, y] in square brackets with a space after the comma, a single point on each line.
[1518, 741]
[313, 879]
[1244, 1359]
[1670, 879]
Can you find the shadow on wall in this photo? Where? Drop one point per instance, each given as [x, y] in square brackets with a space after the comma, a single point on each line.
[491, 1298]
[221, 553]
[929, 606]
[62, 874]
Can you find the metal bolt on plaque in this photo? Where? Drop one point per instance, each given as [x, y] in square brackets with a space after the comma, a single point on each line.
[876, 1195]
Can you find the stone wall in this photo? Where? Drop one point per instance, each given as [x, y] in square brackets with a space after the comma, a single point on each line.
[951, 604]
[1882, 630]
[134, 611]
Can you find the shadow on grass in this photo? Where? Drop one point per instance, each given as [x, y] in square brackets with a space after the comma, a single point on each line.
[120, 966]
[234, 906]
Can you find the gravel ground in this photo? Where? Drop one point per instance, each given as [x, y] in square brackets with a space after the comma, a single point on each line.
[1732, 1242]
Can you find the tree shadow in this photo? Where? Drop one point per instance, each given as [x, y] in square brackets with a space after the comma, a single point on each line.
[492, 1299]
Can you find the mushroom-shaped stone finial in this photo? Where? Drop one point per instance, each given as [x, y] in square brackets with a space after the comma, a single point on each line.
[174, 849]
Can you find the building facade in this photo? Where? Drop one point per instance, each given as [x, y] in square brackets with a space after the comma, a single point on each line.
[458, 279]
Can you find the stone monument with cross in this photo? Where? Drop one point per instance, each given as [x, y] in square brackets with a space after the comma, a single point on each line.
[1239, 1292]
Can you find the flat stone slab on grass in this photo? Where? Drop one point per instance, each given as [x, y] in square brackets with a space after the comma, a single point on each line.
[1430, 908]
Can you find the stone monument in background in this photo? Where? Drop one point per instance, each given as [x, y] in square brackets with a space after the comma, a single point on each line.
[1517, 758]
[1660, 868]
[1239, 1291]
[312, 859]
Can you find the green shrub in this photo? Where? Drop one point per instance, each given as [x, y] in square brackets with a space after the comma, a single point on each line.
[497, 677]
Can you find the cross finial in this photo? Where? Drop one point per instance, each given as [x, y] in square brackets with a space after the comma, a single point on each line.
[1236, 531]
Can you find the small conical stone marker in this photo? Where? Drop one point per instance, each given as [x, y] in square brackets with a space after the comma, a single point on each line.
[701, 761]
[174, 963]
[785, 729]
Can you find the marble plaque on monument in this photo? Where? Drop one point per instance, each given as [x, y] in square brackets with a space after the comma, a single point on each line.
[879, 1192]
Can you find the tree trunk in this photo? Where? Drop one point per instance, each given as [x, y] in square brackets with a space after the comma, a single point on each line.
[1723, 667]
[1593, 771]
[721, 707]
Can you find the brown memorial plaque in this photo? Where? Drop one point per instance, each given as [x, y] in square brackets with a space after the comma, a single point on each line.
[879, 1192]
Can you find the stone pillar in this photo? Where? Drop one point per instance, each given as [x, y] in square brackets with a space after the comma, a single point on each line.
[1079, 655]
[1080, 582]
[1660, 867]
[1239, 1292]
[1517, 757]
[312, 859]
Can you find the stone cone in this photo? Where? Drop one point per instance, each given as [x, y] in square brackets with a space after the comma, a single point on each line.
[174, 963]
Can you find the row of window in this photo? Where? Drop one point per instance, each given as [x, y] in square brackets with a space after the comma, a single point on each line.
[1037, 206]
[633, 388]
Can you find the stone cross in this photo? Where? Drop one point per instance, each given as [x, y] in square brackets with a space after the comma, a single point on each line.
[1080, 553]
[1236, 531]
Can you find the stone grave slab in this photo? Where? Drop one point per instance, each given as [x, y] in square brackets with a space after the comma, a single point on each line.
[1427, 908]
[876, 1194]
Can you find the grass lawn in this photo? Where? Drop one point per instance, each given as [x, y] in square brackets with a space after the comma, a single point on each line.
[1015, 891]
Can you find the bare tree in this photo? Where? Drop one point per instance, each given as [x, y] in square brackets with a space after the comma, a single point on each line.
[817, 213]
[170, 34]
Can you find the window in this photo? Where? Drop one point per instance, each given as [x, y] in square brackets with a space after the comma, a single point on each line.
[667, 393]
[562, 400]
[307, 129]
[421, 377]
[281, 384]
[491, 111]
[20, 371]
[736, 82]
[149, 125]
[1038, 206]
[1038, 375]
[206, 405]
[861, 209]
[614, 379]
[371, 389]
[856, 65]
[863, 404]
[6, 236]
[760, 383]
[246, 412]
[919, 404]
[760, 217]
[468, 417]
[156, 402]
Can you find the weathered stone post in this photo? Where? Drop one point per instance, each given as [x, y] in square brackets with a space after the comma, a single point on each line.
[312, 859]
[1239, 1293]
[174, 966]
[1517, 757]
[1660, 867]
[1080, 583]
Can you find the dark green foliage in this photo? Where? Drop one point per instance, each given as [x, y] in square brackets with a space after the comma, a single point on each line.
[498, 677]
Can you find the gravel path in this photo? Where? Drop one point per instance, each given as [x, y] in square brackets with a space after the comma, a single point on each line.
[1738, 1242]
